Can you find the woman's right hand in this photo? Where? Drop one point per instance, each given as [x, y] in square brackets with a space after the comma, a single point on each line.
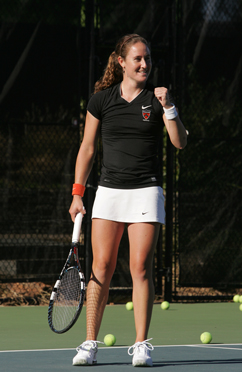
[76, 207]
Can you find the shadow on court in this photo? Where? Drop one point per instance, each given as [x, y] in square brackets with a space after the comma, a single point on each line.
[27, 343]
[165, 358]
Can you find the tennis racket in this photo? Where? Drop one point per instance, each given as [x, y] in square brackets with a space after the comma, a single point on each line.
[68, 294]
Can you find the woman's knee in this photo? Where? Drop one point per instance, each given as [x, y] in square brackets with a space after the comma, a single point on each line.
[103, 269]
[141, 270]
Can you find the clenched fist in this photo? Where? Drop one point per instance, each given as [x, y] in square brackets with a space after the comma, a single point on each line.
[162, 94]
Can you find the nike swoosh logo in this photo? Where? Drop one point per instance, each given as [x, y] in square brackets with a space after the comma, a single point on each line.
[145, 107]
[144, 212]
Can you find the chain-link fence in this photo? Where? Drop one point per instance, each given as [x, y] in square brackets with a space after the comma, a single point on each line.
[209, 254]
[36, 177]
[39, 139]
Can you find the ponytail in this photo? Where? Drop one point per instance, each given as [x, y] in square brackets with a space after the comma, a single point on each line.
[113, 74]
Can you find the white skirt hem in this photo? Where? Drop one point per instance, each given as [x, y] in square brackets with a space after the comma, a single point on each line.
[130, 205]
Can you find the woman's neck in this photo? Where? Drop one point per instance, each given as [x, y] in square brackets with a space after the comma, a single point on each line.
[129, 92]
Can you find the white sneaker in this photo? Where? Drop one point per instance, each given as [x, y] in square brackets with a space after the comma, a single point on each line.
[86, 353]
[141, 353]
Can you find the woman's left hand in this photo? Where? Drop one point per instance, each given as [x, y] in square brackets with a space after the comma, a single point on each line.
[162, 94]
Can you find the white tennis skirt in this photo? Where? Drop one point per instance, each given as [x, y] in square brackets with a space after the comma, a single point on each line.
[132, 205]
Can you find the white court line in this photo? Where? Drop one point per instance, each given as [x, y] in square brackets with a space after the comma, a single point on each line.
[211, 346]
[22, 351]
[70, 349]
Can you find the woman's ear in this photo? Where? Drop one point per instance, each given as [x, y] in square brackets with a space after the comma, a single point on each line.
[121, 61]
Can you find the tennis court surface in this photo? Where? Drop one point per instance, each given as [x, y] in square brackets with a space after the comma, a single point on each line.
[27, 343]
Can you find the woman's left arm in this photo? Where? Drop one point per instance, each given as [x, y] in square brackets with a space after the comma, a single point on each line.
[176, 130]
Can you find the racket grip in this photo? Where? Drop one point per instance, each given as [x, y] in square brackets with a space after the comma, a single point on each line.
[77, 228]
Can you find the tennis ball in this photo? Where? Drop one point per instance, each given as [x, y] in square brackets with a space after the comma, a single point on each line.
[240, 299]
[165, 305]
[236, 298]
[109, 340]
[129, 305]
[206, 337]
[240, 307]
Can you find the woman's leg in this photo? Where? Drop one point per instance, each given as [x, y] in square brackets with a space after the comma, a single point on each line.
[106, 236]
[143, 239]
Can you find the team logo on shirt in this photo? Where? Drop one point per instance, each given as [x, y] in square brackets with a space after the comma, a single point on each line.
[146, 112]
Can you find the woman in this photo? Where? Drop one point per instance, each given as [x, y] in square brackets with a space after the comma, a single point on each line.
[130, 115]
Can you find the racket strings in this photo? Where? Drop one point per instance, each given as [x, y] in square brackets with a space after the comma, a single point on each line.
[67, 300]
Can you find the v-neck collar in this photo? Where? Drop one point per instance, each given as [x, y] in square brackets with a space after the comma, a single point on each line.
[132, 99]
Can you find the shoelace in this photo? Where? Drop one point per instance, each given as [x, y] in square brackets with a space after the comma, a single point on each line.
[88, 342]
[145, 343]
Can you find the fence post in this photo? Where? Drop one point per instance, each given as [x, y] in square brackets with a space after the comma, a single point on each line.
[169, 164]
[169, 221]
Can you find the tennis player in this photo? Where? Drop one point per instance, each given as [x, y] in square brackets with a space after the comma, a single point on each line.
[129, 114]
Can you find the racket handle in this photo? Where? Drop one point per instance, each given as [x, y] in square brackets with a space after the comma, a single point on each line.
[77, 228]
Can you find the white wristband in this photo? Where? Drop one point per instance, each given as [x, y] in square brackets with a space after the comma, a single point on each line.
[170, 113]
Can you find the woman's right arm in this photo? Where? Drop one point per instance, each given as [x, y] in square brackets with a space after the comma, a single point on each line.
[85, 160]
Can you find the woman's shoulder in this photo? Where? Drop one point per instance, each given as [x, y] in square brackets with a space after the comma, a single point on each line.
[106, 95]
[150, 90]
[107, 92]
[101, 99]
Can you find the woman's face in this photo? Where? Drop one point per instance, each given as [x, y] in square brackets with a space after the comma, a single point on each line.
[137, 64]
